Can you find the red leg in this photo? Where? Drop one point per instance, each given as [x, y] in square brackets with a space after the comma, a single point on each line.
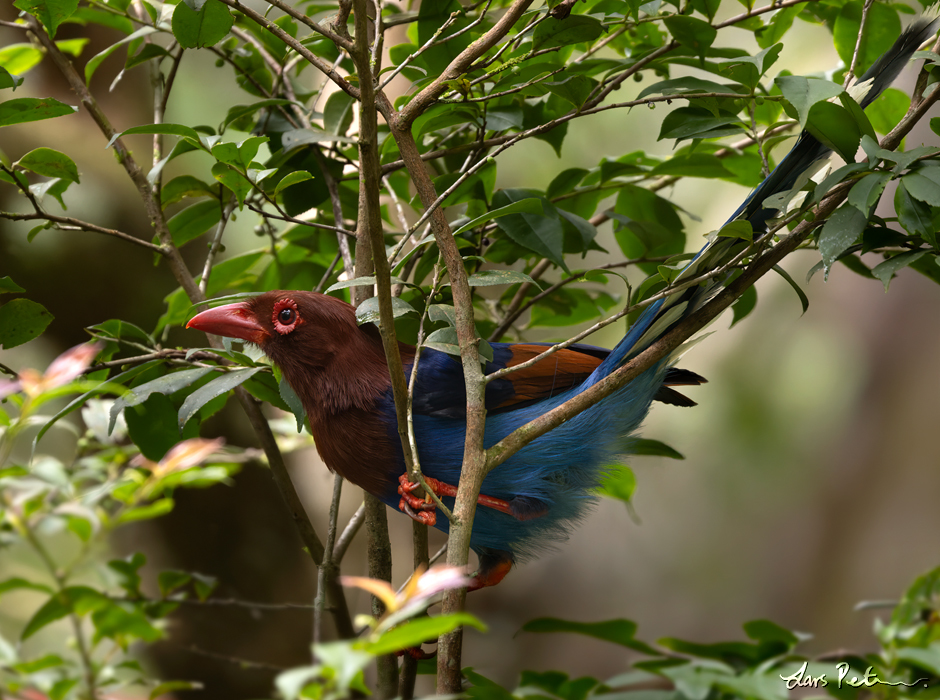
[424, 505]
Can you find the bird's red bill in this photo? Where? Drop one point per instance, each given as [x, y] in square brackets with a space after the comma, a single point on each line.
[231, 321]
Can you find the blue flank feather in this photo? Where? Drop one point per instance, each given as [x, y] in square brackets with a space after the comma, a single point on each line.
[560, 472]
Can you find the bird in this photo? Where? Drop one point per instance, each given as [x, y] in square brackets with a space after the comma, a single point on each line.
[531, 501]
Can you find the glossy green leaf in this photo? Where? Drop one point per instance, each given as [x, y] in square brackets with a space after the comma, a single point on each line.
[198, 23]
[97, 60]
[490, 278]
[922, 188]
[563, 32]
[50, 12]
[414, 632]
[234, 181]
[293, 178]
[867, 191]
[218, 386]
[887, 270]
[915, 216]
[239, 113]
[21, 320]
[8, 286]
[541, 233]
[49, 163]
[368, 311]
[31, 109]
[17, 59]
[166, 128]
[804, 300]
[185, 186]
[194, 220]
[167, 384]
[743, 306]
[841, 230]
[802, 93]
[695, 34]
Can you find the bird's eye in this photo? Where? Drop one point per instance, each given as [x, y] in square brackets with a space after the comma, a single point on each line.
[286, 316]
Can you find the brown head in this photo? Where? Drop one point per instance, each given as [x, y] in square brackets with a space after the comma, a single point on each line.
[332, 363]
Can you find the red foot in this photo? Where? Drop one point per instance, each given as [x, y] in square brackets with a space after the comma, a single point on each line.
[422, 509]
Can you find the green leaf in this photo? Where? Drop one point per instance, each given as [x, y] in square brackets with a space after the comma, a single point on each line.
[575, 89]
[914, 215]
[293, 178]
[695, 34]
[655, 448]
[492, 278]
[194, 221]
[415, 632]
[21, 320]
[922, 188]
[802, 93]
[17, 59]
[541, 233]
[743, 306]
[867, 191]
[19, 584]
[835, 128]
[49, 163]
[216, 387]
[693, 165]
[293, 401]
[96, 60]
[684, 86]
[182, 187]
[32, 109]
[528, 205]
[166, 128]
[564, 32]
[8, 286]
[234, 181]
[338, 113]
[804, 300]
[621, 632]
[78, 599]
[886, 270]
[695, 122]
[368, 311]
[199, 23]
[50, 12]
[240, 112]
[841, 230]
[147, 512]
[167, 384]
[738, 228]
[148, 53]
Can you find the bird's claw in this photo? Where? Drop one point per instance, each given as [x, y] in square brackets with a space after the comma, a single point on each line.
[425, 517]
[415, 507]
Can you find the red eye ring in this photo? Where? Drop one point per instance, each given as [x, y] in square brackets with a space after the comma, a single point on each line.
[285, 316]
